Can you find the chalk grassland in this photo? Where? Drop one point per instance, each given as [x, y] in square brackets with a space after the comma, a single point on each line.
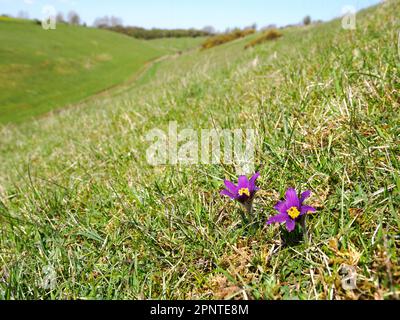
[177, 44]
[82, 214]
[45, 70]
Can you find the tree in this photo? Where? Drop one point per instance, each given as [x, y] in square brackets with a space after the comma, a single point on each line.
[103, 22]
[115, 21]
[307, 20]
[60, 18]
[209, 29]
[252, 27]
[73, 18]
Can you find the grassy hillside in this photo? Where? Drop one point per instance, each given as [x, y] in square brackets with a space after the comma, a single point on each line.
[83, 215]
[177, 44]
[42, 70]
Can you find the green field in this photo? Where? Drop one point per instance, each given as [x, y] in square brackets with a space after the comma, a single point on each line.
[176, 44]
[44, 70]
[84, 216]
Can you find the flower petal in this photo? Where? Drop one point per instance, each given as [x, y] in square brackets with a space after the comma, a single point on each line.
[281, 207]
[228, 194]
[280, 218]
[243, 182]
[290, 224]
[231, 187]
[304, 196]
[306, 209]
[292, 199]
[252, 182]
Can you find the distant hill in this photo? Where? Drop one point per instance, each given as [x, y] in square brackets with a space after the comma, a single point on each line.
[41, 70]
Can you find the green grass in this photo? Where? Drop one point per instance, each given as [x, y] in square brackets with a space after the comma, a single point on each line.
[177, 44]
[45, 70]
[77, 195]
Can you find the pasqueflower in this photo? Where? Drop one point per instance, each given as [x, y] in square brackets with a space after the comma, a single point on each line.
[245, 190]
[292, 209]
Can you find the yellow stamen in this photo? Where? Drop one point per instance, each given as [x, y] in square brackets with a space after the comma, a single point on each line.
[245, 191]
[293, 212]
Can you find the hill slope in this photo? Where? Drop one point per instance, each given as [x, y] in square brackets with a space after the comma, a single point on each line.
[41, 70]
[83, 215]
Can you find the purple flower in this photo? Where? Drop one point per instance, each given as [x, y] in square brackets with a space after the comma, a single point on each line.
[292, 209]
[245, 190]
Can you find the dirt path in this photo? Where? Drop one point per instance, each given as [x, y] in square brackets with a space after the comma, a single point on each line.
[127, 84]
[114, 90]
[119, 88]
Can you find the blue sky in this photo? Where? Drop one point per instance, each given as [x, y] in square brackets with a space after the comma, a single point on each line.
[191, 13]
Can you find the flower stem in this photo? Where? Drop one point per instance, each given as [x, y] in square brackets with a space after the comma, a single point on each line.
[248, 211]
[304, 227]
[249, 208]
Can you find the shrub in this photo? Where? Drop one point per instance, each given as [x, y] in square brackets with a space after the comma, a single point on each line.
[141, 33]
[307, 20]
[226, 37]
[268, 36]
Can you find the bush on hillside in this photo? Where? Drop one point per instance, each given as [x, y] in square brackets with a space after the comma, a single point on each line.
[307, 20]
[226, 37]
[268, 36]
